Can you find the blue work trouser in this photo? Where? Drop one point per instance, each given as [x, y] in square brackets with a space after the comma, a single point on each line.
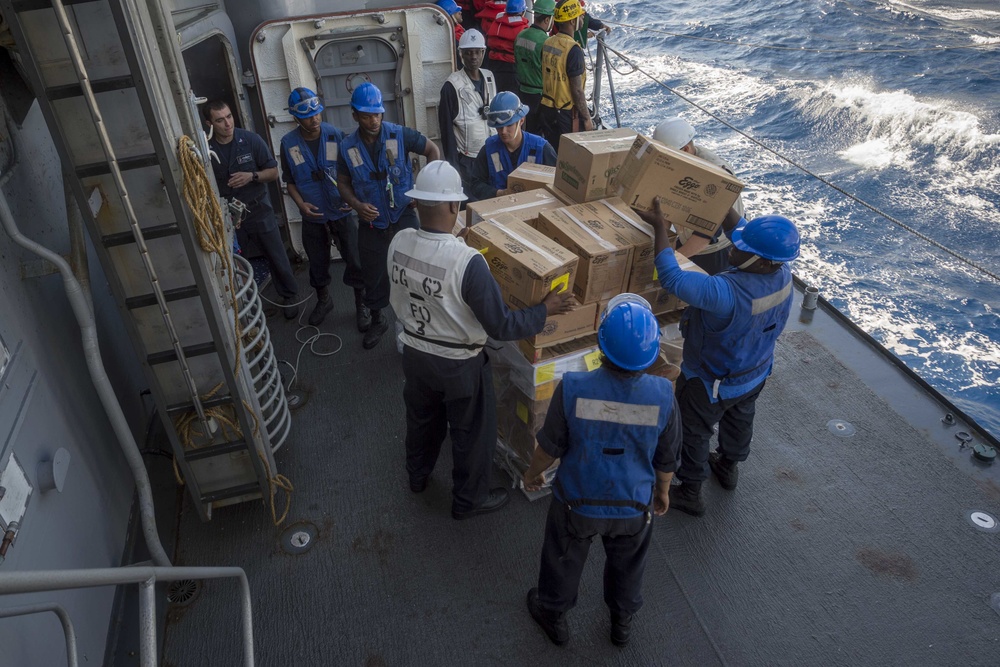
[373, 248]
[698, 417]
[261, 231]
[316, 238]
[455, 395]
[568, 536]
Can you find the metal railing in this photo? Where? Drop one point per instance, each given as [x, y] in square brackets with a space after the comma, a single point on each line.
[146, 577]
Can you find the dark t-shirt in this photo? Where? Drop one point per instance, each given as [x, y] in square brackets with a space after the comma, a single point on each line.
[246, 152]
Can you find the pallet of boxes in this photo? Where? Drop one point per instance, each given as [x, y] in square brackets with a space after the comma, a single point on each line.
[578, 230]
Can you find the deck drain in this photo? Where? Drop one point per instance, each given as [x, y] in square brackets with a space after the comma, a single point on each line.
[182, 592]
[840, 428]
[984, 521]
[298, 538]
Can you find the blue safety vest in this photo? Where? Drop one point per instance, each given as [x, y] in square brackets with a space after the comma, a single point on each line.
[316, 182]
[614, 422]
[744, 350]
[498, 157]
[382, 185]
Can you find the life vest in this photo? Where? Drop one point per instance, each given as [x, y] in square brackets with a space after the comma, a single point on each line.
[720, 241]
[459, 31]
[426, 271]
[743, 351]
[528, 57]
[502, 35]
[498, 157]
[383, 184]
[316, 182]
[470, 128]
[555, 82]
[614, 424]
[489, 12]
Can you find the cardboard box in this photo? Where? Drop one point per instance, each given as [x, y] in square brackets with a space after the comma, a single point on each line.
[601, 240]
[538, 380]
[588, 162]
[530, 177]
[577, 323]
[526, 265]
[641, 274]
[694, 194]
[523, 205]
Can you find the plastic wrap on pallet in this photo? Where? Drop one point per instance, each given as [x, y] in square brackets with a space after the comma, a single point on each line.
[511, 463]
[538, 380]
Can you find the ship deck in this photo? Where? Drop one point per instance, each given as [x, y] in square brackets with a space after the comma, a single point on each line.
[833, 550]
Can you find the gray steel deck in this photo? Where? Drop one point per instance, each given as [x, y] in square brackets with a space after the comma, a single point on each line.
[853, 551]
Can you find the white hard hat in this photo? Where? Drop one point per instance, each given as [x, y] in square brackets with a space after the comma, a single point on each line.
[472, 39]
[674, 133]
[438, 181]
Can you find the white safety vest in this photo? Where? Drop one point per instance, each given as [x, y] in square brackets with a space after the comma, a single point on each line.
[723, 240]
[426, 270]
[470, 126]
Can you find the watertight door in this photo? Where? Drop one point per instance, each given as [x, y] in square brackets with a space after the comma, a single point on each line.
[407, 52]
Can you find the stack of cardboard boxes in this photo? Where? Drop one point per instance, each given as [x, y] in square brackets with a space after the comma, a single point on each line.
[578, 231]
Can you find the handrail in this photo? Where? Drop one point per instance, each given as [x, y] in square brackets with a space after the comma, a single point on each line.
[64, 619]
[34, 581]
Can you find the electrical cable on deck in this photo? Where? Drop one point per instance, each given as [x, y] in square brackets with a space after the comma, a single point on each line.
[940, 246]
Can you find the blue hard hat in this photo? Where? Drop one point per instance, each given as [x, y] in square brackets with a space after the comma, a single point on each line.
[449, 6]
[505, 109]
[629, 334]
[304, 103]
[772, 237]
[515, 6]
[367, 98]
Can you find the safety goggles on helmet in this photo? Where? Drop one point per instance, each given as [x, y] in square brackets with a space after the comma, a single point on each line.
[310, 105]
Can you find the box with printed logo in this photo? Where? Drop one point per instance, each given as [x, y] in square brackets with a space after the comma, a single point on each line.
[603, 242]
[694, 194]
[525, 264]
[588, 162]
[530, 177]
[522, 205]
[576, 323]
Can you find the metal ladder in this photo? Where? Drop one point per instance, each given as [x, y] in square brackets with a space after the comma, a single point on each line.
[175, 302]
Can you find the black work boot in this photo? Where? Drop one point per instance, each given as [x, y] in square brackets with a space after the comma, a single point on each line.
[364, 316]
[725, 470]
[379, 325]
[496, 499]
[290, 307]
[324, 304]
[621, 628]
[686, 497]
[554, 623]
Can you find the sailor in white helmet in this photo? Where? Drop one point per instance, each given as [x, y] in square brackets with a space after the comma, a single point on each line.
[449, 303]
[709, 253]
[464, 96]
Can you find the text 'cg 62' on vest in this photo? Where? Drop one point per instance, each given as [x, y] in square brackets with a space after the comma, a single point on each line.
[427, 270]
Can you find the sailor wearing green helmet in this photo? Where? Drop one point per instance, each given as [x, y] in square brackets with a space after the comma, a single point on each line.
[528, 60]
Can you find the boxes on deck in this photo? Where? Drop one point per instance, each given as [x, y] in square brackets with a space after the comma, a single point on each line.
[526, 265]
[601, 240]
[519, 418]
[694, 194]
[588, 162]
[522, 205]
[538, 380]
[530, 176]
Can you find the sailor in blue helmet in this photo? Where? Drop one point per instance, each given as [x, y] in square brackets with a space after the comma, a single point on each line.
[309, 166]
[509, 148]
[244, 165]
[374, 174]
[730, 328]
[617, 432]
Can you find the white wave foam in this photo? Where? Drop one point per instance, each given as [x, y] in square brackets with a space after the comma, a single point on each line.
[948, 13]
[875, 154]
[979, 39]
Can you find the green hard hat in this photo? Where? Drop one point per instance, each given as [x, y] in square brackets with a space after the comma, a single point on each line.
[544, 7]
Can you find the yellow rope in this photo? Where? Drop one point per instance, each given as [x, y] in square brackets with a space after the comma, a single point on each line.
[210, 227]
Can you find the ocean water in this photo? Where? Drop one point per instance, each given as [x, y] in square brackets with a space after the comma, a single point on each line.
[862, 93]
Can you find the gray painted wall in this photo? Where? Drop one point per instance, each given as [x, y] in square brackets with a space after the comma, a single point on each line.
[47, 401]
